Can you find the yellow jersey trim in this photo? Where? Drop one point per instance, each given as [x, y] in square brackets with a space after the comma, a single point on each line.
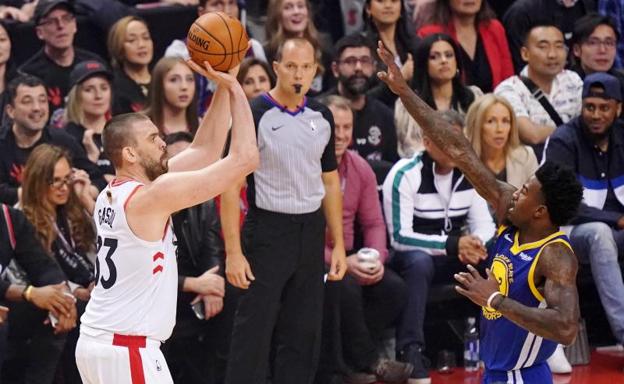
[500, 230]
[530, 278]
[517, 248]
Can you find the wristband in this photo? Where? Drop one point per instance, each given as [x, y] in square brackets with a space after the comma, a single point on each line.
[492, 296]
[27, 292]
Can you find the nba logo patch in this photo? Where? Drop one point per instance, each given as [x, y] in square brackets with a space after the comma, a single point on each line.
[158, 367]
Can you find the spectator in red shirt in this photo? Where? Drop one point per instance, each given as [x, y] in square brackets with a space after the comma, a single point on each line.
[484, 50]
[370, 298]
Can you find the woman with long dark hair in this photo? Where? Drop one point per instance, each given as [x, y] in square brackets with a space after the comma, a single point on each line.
[387, 20]
[172, 103]
[438, 81]
[58, 202]
[484, 51]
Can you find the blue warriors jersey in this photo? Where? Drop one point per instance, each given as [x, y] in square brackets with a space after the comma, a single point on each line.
[507, 349]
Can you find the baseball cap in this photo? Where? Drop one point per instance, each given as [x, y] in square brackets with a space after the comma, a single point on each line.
[611, 87]
[46, 6]
[85, 69]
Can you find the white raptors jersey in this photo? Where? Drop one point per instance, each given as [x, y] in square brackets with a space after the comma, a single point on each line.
[136, 280]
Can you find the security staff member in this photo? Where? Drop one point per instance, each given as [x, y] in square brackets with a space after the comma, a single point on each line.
[284, 231]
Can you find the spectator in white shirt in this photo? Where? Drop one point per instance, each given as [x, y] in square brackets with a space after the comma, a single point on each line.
[545, 52]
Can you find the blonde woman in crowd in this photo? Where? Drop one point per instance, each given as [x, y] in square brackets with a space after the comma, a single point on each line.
[131, 49]
[491, 128]
[172, 103]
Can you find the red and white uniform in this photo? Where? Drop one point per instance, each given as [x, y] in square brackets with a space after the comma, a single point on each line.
[133, 305]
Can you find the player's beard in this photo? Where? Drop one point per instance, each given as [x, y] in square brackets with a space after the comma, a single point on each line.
[355, 85]
[154, 168]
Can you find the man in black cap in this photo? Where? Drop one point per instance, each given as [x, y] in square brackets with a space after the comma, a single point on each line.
[55, 25]
[593, 146]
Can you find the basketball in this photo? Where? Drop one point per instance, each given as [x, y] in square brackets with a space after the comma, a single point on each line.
[219, 39]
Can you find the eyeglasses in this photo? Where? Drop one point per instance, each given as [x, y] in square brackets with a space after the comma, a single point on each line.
[58, 183]
[65, 19]
[595, 43]
[351, 61]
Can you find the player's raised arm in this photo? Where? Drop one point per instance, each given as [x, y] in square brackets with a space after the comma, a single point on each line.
[175, 191]
[207, 146]
[498, 194]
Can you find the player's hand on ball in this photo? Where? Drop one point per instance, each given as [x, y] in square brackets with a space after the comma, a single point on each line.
[238, 270]
[475, 287]
[392, 76]
[223, 79]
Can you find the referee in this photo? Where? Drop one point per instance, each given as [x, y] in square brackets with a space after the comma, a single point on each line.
[291, 195]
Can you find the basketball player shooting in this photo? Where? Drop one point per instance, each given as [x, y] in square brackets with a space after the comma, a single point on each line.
[133, 305]
[529, 299]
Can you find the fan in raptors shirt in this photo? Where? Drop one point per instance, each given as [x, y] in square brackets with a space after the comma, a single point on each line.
[132, 307]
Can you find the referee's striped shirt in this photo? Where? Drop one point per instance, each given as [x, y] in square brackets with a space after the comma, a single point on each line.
[295, 148]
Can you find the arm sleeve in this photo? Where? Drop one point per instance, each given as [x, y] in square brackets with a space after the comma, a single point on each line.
[587, 214]
[29, 254]
[398, 196]
[390, 137]
[507, 67]
[328, 159]
[212, 247]
[8, 194]
[369, 214]
[479, 219]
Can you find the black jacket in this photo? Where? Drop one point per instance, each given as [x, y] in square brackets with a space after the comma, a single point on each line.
[28, 252]
[13, 159]
[200, 247]
[602, 175]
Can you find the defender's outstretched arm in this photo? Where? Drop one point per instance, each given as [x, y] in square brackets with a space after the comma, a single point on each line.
[455, 144]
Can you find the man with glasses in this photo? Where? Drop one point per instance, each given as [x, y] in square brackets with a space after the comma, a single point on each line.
[28, 109]
[374, 134]
[55, 22]
[594, 45]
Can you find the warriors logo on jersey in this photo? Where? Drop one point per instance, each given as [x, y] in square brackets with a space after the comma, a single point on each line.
[507, 348]
[502, 268]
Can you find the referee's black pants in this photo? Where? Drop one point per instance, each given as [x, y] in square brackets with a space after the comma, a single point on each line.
[282, 309]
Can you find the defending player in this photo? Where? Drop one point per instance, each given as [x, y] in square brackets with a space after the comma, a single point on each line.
[529, 299]
[132, 307]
